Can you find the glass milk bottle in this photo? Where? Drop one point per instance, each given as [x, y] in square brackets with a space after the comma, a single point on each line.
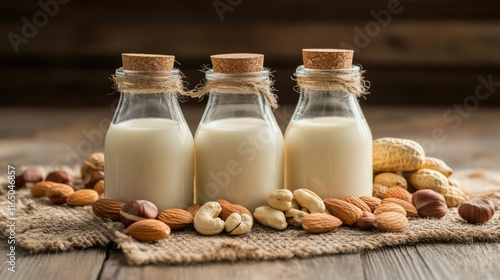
[149, 147]
[328, 144]
[238, 144]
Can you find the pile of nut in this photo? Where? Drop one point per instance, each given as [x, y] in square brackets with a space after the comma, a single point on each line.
[402, 163]
[303, 208]
[58, 186]
[144, 222]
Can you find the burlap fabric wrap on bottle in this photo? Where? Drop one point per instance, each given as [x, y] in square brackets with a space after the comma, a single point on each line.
[42, 227]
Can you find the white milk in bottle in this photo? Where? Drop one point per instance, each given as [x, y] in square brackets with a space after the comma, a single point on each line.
[328, 144]
[151, 159]
[149, 149]
[329, 156]
[238, 158]
[238, 144]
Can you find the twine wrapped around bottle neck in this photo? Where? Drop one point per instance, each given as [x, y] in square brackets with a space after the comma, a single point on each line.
[238, 85]
[144, 83]
[351, 82]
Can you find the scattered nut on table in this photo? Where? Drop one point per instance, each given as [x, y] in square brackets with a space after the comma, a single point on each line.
[429, 204]
[270, 217]
[59, 176]
[176, 218]
[82, 197]
[57, 192]
[137, 210]
[148, 230]
[395, 154]
[280, 199]
[108, 208]
[309, 200]
[206, 220]
[238, 224]
[294, 217]
[477, 210]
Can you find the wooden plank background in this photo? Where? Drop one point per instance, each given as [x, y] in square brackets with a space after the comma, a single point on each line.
[429, 53]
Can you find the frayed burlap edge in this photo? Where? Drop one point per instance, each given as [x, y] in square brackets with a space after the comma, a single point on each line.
[42, 226]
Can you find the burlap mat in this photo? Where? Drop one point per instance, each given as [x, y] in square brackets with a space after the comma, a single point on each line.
[42, 226]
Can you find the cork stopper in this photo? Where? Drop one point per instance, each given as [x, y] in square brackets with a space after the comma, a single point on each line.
[237, 63]
[327, 58]
[147, 62]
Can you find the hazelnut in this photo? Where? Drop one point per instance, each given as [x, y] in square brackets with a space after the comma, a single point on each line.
[94, 161]
[28, 176]
[366, 221]
[476, 210]
[59, 176]
[92, 178]
[430, 204]
[137, 210]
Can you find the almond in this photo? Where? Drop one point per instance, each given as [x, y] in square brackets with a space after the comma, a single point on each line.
[348, 213]
[397, 192]
[193, 208]
[390, 221]
[319, 223]
[371, 201]
[38, 190]
[357, 202]
[148, 230]
[176, 218]
[108, 208]
[228, 208]
[411, 211]
[99, 187]
[82, 197]
[58, 192]
[389, 207]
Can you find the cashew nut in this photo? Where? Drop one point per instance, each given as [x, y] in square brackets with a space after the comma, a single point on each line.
[280, 199]
[270, 217]
[294, 217]
[206, 219]
[309, 200]
[238, 224]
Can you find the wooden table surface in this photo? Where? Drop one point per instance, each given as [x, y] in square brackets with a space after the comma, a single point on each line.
[65, 136]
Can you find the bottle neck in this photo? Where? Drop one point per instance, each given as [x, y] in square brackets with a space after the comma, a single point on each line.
[318, 102]
[148, 95]
[151, 105]
[236, 99]
[323, 103]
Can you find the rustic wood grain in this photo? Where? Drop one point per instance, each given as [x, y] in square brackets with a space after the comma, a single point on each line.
[293, 9]
[324, 267]
[394, 263]
[461, 261]
[402, 42]
[74, 265]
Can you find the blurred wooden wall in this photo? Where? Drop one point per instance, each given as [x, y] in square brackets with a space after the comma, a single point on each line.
[430, 52]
